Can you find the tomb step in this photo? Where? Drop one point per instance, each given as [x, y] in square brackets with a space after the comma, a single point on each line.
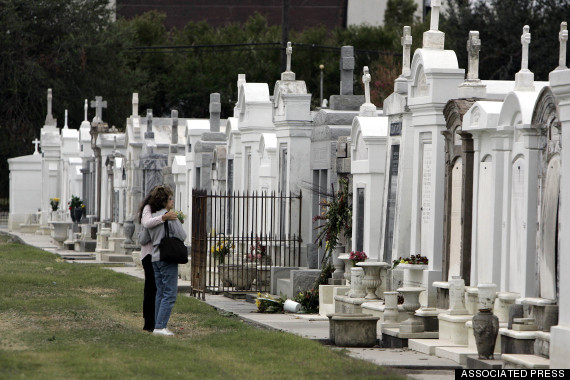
[542, 344]
[518, 361]
[428, 346]
[116, 258]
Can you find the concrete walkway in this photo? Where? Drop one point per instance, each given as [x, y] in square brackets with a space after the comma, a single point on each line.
[406, 362]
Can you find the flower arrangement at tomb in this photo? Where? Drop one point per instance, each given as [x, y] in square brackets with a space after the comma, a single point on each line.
[266, 303]
[309, 301]
[257, 251]
[357, 257]
[222, 249]
[75, 202]
[414, 259]
[54, 203]
[337, 216]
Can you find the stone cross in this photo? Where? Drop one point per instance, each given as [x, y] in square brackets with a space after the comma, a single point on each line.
[406, 47]
[174, 117]
[346, 70]
[149, 134]
[289, 51]
[473, 49]
[525, 41]
[36, 142]
[215, 110]
[135, 104]
[434, 21]
[85, 110]
[98, 104]
[65, 125]
[366, 80]
[49, 117]
[563, 38]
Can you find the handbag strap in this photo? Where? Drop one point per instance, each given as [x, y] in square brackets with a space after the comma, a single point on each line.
[166, 231]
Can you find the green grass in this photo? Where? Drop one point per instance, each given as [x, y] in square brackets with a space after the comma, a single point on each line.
[72, 321]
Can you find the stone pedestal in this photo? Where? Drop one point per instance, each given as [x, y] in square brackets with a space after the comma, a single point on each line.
[338, 264]
[351, 330]
[471, 299]
[452, 328]
[457, 296]
[411, 304]
[345, 258]
[502, 303]
[442, 294]
[357, 289]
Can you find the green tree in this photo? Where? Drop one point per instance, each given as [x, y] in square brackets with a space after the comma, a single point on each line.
[500, 24]
[399, 13]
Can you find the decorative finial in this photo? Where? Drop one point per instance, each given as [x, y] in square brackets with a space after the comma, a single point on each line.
[135, 104]
[36, 142]
[563, 38]
[289, 51]
[525, 41]
[98, 104]
[85, 111]
[366, 80]
[406, 41]
[49, 117]
[434, 21]
[473, 49]
[65, 125]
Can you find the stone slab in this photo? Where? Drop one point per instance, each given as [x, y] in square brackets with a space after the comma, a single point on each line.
[457, 354]
[515, 361]
[428, 346]
[473, 362]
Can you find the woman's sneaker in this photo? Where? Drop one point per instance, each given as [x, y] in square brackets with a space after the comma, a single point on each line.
[164, 331]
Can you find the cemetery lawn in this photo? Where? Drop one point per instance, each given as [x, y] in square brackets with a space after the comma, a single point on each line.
[82, 321]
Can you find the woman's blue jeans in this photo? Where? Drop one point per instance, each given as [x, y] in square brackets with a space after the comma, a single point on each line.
[166, 278]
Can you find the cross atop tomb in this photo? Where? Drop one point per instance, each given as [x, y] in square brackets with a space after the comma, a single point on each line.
[346, 70]
[288, 74]
[36, 142]
[289, 51]
[366, 80]
[563, 38]
[473, 49]
[149, 134]
[525, 42]
[434, 38]
[434, 21]
[49, 117]
[65, 125]
[135, 104]
[98, 104]
[85, 110]
[406, 47]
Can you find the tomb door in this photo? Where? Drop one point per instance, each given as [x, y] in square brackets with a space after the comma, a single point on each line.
[485, 211]
[391, 206]
[547, 255]
[426, 200]
[360, 219]
[517, 259]
[455, 219]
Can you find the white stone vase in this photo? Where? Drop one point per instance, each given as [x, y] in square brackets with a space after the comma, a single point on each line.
[487, 294]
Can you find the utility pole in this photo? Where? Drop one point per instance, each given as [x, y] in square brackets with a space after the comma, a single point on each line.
[284, 34]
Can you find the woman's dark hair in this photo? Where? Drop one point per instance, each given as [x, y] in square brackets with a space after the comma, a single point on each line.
[157, 199]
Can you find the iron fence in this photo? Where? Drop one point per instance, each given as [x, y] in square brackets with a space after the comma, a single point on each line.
[238, 237]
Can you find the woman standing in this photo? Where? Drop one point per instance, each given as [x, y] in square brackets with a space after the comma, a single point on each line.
[165, 273]
[148, 206]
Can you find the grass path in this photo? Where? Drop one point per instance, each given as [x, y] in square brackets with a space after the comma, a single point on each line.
[72, 321]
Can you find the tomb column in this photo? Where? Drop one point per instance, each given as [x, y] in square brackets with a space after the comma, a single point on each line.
[560, 334]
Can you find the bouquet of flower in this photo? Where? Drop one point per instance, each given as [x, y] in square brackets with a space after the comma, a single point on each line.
[181, 216]
[257, 251]
[75, 202]
[266, 303]
[309, 301]
[222, 249]
[54, 202]
[357, 256]
[414, 259]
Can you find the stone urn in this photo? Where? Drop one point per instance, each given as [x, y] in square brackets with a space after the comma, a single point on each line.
[59, 232]
[347, 266]
[76, 214]
[485, 330]
[391, 307]
[338, 263]
[129, 230]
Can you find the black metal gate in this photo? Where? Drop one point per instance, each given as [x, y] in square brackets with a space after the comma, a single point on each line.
[237, 238]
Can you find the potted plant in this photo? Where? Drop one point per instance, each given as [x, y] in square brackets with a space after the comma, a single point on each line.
[414, 259]
[76, 208]
[222, 249]
[54, 203]
[356, 257]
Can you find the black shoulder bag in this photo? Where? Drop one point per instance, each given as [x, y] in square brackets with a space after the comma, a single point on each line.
[172, 249]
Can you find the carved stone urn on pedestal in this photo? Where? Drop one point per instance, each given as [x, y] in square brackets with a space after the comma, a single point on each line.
[485, 323]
